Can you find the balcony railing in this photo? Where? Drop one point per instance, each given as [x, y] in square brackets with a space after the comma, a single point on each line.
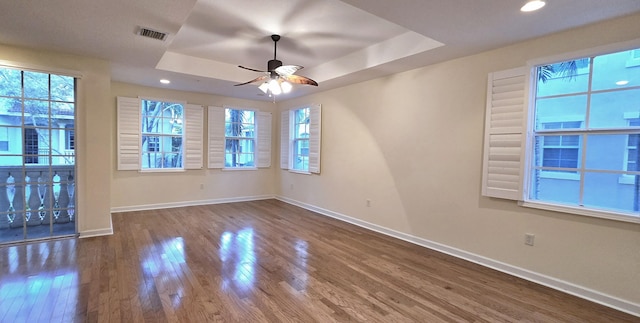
[37, 195]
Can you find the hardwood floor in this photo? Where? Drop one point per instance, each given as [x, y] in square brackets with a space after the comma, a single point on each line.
[263, 261]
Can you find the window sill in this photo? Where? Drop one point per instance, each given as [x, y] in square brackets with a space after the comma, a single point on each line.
[560, 175]
[610, 215]
[627, 180]
[299, 172]
[162, 170]
[231, 169]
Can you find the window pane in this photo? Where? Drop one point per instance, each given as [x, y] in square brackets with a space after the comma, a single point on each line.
[563, 78]
[613, 71]
[560, 187]
[11, 82]
[239, 123]
[571, 109]
[607, 152]
[175, 144]
[61, 114]
[11, 108]
[36, 85]
[608, 109]
[611, 191]
[36, 112]
[62, 88]
[557, 151]
[151, 160]
[150, 143]
[172, 160]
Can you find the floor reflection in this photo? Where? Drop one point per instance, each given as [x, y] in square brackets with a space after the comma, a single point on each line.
[238, 259]
[301, 260]
[163, 273]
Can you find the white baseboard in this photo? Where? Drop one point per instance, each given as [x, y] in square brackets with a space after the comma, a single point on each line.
[551, 282]
[189, 203]
[98, 232]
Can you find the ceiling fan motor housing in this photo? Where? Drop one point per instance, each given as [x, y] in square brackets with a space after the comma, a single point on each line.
[273, 64]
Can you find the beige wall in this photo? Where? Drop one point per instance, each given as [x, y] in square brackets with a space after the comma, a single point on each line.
[93, 131]
[412, 143]
[135, 190]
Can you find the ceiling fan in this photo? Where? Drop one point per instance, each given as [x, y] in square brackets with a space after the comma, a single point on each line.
[278, 77]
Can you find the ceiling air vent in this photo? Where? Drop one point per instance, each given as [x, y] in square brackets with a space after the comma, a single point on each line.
[146, 32]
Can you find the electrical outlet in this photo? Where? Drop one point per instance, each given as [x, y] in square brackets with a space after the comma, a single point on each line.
[201, 186]
[529, 239]
[291, 187]
[368, 202]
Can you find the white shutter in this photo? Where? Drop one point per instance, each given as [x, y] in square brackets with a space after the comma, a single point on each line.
[193, 127]
[216, 137]
[128, 118]
[315, 127]
[285, 139]
[263, 120]
[504, 140]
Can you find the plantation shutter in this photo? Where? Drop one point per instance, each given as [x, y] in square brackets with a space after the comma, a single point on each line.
[216, 137]
[503, 160]
[263, 121]
[193, 128]
[285, 140]
[128, 139]
[315, 127]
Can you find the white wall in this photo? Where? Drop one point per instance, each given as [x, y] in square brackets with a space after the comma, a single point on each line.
[412, 144]
[134, 190]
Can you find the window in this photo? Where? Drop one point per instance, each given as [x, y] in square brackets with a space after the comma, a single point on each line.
[559, 151]
[240, 138]
[582, 137]
[70, 139]
[4, 139]
[300, 139]
[159, 135]
[161, 123]
[30, 146]
[631, 158]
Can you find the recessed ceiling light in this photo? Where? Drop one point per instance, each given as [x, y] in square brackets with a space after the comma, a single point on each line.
[165, 81]
[622, 82]
[533, 5]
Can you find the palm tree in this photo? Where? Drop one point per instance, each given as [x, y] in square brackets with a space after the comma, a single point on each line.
[568, 70]
[234, 129]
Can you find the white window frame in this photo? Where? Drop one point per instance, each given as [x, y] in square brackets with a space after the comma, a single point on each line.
[287, 140]
[216, 140]
[129, 135]
[508, 143]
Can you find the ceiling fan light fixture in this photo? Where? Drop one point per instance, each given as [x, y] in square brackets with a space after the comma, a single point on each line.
[264, 87]
[286, 87]
[274, 87]
[533, 5]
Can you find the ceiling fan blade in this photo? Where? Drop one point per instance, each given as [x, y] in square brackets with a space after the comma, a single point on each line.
[252, 69]
[257, 79]
[298, 79]
[286, 70]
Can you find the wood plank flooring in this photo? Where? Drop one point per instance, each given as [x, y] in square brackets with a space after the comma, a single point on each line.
[263, 261]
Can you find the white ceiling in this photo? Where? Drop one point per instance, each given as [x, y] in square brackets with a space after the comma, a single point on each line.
[338, 42]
